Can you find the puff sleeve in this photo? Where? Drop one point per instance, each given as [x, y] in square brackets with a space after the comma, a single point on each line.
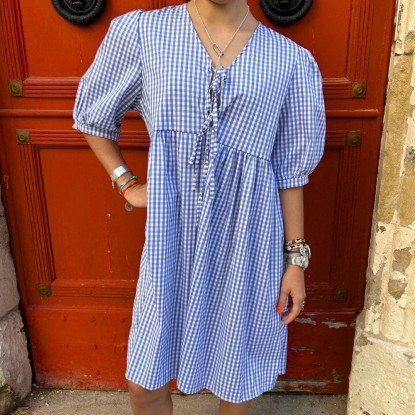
[301, 131]
[112, 84]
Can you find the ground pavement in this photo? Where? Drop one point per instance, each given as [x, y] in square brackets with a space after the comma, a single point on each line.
[81, 402]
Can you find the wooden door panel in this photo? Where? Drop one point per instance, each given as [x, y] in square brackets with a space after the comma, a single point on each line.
[325, 31]
[69, 344]
[77, 48]
[336, 32]
[320, 219]
[87, 223]
[77, 250]
[86, 233]
[330, 201]
[71, 51]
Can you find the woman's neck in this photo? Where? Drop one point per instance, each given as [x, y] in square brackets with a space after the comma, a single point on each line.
[221, 12]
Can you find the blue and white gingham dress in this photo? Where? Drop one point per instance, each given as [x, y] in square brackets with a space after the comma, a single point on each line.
[212, 262]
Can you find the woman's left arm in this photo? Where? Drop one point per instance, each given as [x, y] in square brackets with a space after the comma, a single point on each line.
[292, 205]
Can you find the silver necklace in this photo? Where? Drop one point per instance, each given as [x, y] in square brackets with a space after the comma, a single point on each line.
[220, 52]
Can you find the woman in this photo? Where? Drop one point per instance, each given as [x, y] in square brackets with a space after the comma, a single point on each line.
[236, 119]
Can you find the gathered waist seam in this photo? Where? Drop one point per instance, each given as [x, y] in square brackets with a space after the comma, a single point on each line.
[243, 151]
[239, 150]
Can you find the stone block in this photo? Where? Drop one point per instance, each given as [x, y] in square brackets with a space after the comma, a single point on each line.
[15, 370]
[9, 297]
[382, 379]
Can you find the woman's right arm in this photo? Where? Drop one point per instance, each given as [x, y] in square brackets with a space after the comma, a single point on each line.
[109, 155]
[107, 90]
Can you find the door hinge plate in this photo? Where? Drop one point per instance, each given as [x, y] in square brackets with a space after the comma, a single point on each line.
[22, 137]
[354, 138]
[15, 88]
[340, 294]
[359, 89]
[44, 290]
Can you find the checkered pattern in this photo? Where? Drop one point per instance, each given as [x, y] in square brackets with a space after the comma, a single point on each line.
[212, 262]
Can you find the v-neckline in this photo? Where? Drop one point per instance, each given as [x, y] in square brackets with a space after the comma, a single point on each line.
[204, 50]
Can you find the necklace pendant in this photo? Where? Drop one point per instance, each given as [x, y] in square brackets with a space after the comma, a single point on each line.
[217, 49]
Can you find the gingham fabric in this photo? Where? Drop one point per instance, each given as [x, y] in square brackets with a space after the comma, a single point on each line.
[220, 148]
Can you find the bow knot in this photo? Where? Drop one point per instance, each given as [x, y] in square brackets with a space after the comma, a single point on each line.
[217, 81]
[208, 132]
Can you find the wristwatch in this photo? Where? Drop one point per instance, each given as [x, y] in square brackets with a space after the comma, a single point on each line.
[302, 260]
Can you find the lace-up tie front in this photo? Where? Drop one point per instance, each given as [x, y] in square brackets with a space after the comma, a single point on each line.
[207, 137]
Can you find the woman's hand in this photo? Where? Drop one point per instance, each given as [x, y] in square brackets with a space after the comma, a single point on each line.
[136, 196]
[292, 284]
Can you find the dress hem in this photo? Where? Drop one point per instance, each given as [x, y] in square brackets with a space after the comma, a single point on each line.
[211, 389]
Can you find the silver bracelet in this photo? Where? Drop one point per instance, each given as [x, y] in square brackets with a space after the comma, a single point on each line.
[124, 183]
[118, 172]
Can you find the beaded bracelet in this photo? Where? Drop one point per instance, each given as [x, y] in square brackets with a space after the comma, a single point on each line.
[295, 241]
[123, 184]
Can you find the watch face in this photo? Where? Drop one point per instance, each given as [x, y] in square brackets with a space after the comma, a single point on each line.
[302, 261]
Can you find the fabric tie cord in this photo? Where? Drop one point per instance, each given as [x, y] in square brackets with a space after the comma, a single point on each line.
[208, 132]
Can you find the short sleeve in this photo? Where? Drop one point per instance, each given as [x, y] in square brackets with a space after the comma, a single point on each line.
[301, 131]
[112, 84]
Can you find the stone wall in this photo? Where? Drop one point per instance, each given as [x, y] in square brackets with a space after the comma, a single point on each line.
[15, 371]
[382, 379]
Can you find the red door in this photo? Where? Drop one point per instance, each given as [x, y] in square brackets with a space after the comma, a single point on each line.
[77, 250]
